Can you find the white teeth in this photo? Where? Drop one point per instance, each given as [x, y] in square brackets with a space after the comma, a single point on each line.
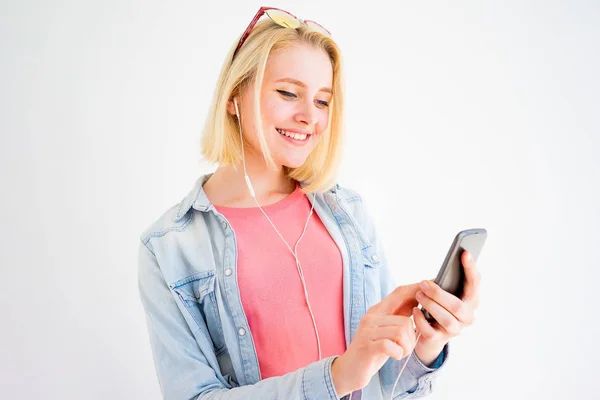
[296, 136]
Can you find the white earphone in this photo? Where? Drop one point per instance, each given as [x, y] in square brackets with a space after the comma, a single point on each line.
[295, 251]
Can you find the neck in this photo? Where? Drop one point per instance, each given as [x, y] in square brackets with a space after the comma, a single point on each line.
[227, 186]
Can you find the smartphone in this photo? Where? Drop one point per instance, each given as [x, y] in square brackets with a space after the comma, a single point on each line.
[451, 276]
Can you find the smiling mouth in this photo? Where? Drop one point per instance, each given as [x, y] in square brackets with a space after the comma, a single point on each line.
[296, 136]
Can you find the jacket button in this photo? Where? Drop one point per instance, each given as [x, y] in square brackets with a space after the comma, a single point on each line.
[228, 271]
[374, 257]
[224, 225]
[242, 331]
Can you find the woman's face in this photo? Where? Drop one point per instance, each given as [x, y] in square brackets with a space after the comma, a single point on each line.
[294, 101]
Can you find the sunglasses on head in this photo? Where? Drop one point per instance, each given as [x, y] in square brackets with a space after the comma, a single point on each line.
[281, 18]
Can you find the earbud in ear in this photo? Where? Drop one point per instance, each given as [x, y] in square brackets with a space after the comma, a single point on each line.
[237, 111]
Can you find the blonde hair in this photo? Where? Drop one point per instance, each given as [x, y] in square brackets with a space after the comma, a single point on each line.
[220, 142]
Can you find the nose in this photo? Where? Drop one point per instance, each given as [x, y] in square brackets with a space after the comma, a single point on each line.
[307, 114]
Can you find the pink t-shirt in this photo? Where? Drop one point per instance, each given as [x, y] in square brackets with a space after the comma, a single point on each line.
[271, 290]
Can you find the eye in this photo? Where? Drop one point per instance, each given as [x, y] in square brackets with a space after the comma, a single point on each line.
[323, 103]
[287, 94]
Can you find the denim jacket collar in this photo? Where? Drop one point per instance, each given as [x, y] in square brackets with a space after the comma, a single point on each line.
[196, 198]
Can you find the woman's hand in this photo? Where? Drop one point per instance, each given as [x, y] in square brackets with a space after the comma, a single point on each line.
[452, 314]
[385, 331]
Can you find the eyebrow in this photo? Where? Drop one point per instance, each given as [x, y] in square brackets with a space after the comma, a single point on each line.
[302, 84]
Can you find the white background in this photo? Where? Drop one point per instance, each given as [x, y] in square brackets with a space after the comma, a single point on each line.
[460, 115]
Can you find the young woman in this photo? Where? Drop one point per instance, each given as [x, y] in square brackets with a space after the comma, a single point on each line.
[268, 280]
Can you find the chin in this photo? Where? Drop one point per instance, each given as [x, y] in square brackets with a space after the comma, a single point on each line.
[294, 162]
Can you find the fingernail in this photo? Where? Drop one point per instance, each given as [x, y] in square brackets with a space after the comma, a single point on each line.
[424, 284]
[415, 310]
[469, 257]
[419, 295]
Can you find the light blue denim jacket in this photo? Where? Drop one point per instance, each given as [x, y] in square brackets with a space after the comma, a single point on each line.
[201, 343]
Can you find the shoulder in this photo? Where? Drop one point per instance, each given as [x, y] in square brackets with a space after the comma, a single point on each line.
[350, 200]
[176, 218]
[165, 223]
[341, 192]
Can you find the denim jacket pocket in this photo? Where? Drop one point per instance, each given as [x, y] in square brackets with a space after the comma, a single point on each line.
[197, 293]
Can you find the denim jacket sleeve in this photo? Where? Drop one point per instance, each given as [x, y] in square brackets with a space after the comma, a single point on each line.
[417, 379]
[182, 361]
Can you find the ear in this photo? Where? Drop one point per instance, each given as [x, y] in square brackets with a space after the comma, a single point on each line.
[231, 107]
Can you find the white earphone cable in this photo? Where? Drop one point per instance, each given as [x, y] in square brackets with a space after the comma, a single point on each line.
[295, 251]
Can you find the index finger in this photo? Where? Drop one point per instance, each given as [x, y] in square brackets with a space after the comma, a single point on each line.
[472, 277]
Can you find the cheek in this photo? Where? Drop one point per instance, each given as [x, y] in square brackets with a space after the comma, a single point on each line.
[323, 121]
[274, 111]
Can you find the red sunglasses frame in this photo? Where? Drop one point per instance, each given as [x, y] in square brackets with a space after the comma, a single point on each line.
[260, 13]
